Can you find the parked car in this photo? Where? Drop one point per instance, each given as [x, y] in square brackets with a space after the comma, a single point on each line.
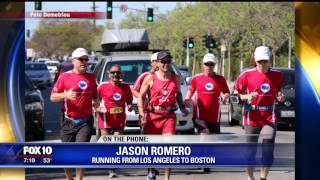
[34, 112]
[39, 74]
[184, 70]
[132, 66]
[63, 67]
[286, 109]
[52, 66]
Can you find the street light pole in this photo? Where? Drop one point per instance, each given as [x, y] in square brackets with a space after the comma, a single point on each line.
[94, 10]
[223, 50]
[289, 52]
[188, 51]
[241, 62]
[229, 64]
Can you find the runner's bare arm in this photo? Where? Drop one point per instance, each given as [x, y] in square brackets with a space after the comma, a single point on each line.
[249, 97]
[179, 99]
[146, 84]
[95, 101]
[280, 97]
[225, 97]
[187, 99]
[57, 97]
[135, 93]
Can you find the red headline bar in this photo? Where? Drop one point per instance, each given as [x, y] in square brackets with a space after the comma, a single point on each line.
[82, 15]
[11, 14]
[35, 14]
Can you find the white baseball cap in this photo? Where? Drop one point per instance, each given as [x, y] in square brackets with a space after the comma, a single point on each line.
[209, 57]
[262, 53]
[154, 57]
[79, 52]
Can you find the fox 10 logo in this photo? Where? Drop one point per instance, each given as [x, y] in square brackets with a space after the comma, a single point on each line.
[37, 150]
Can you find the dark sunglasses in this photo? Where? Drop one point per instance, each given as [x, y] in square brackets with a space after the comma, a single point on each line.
[83, 59]
[262, 61]
[209, 64]
[115, 72]
[165, 61]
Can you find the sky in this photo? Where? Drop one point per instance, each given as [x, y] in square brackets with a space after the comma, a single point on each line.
[32, 23]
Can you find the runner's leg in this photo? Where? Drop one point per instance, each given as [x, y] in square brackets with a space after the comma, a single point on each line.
[252, 137]
[268, 134]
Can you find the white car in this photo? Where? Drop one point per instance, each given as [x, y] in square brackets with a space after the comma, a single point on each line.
[52, 67]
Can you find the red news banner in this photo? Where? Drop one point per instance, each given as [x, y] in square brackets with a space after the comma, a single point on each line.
[56, 14]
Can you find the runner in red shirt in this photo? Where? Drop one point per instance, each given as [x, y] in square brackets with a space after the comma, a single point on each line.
[163, 87]
[113, 96]
[78, 89]
[137, 85]
[260, 88]
[209, 88]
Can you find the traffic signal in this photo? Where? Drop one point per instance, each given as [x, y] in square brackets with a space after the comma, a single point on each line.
[150, 15]
[209, 42]
[191, 43]
[185, 43]
[37, 5]
[188, 45]
[109, 9]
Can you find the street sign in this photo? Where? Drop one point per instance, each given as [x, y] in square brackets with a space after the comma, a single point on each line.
[123, 8]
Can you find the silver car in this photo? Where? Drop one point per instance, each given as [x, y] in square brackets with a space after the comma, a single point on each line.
[132, 66]
[38, 73]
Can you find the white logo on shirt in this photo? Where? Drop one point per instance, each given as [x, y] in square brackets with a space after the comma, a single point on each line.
[164, 92]
[82, 85]
[209, 86]
[117, 96]
[265, 87]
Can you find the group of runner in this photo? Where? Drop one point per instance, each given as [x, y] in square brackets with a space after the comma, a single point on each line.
[158, 92]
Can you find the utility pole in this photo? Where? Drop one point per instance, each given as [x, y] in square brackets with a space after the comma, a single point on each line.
[194, 65]
[223, 50]
[188, 61]
[94, 10]
[229, 64]
[289, 52]
[241, 62]
[144, 9]
[274, 59]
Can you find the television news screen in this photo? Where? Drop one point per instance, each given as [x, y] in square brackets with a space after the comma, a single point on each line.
[37, 51]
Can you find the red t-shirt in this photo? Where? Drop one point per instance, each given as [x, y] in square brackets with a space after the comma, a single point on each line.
[163, 93]
[86, 88]
[206, 100]
[115, 99]
[267, 86]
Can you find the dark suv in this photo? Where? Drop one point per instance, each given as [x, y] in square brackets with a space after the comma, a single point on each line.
[132, 66]
[287, 108]
[34, 112]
